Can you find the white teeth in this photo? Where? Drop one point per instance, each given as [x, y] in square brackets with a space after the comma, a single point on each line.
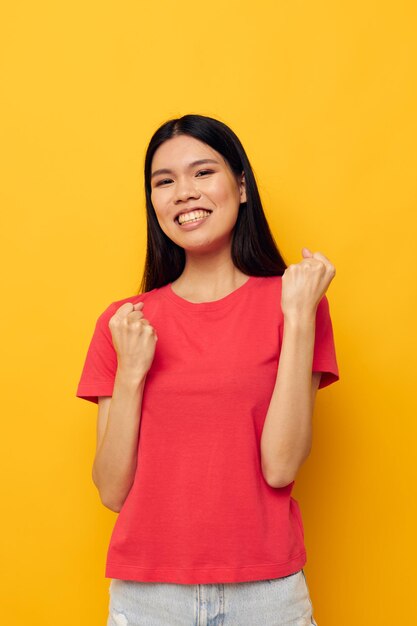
[192, 216]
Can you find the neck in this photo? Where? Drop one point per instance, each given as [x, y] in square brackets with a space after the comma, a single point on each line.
[208, 276]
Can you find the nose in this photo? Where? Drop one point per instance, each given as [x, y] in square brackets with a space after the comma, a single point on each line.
[185, 190]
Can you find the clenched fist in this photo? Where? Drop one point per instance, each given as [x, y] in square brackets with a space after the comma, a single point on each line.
[134, 338]
[305, 283]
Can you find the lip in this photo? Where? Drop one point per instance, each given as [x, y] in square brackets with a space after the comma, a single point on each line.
[195, 208]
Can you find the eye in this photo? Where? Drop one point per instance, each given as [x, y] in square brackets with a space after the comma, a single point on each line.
[162, 182]
[204, 172]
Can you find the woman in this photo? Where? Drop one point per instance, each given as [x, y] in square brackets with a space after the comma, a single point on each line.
[200, 434]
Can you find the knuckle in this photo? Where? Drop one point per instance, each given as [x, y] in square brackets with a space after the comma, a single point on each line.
[113, 322]
[135, 316]
[124, 307]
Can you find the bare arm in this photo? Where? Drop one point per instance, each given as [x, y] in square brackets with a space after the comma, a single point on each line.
[117, 440]
[119, 416]
[287, 431]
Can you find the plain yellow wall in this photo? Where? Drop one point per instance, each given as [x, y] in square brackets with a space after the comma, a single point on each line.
[323, 97]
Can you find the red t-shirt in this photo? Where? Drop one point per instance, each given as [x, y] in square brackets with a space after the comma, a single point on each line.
[199, 510]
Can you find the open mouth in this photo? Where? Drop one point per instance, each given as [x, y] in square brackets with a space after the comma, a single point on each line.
[192, 216]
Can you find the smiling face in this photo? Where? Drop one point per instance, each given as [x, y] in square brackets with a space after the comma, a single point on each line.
[195, 194]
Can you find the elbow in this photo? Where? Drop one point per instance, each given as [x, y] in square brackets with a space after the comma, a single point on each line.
[110, 501]
[278, 479]
[279, 476]
[113, 505]
[108, 498]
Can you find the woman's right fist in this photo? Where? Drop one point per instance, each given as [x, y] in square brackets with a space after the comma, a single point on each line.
[134, 339]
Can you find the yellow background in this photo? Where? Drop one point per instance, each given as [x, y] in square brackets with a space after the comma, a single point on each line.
[323, 96]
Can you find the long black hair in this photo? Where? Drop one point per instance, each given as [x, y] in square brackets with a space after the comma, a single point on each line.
[254, 251]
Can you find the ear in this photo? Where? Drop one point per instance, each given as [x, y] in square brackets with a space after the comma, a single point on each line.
[242, 187]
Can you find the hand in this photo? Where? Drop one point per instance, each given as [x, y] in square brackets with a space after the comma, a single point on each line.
[134, 338]
[305, 283]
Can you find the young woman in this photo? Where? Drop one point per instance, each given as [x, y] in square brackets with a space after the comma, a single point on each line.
[206, 382]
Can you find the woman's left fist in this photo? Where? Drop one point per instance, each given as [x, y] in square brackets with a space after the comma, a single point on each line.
[305, 283]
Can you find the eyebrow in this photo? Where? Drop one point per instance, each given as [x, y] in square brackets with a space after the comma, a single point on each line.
[190, 165]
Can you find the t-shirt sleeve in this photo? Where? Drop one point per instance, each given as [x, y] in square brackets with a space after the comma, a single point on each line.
[99, 370]
[324, 358]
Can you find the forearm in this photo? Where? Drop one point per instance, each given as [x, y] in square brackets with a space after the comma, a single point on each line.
[287, 431]
[116, 457]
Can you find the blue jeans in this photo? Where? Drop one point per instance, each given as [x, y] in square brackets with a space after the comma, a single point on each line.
[270, 602]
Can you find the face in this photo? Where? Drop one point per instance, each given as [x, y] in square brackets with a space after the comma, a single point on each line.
[195, 194]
